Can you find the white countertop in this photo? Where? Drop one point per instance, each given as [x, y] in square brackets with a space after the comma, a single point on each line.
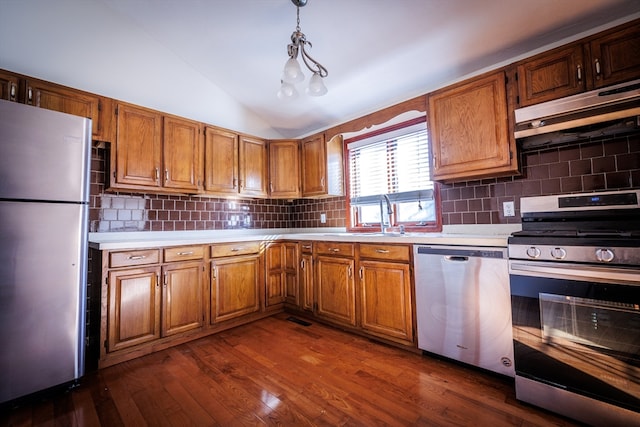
[467, 235]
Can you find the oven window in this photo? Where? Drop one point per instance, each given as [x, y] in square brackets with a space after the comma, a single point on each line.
[589, 323]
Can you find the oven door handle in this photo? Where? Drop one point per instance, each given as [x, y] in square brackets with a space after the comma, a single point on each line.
[576, 272]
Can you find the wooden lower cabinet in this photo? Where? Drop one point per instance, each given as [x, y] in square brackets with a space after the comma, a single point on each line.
[335, 289]
[385, 290]
[182, 308]
[235, 287]
[133, 307]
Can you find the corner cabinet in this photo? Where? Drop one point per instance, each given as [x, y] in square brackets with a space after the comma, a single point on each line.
[469, 130]
[322, 166]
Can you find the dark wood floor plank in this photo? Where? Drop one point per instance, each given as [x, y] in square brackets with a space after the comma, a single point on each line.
[276, 372]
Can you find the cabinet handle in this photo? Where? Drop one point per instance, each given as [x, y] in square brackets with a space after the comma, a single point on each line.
[165, 279]
[12, 92]
[361, 272]
[30, 96]
[322, 182]
[271, 187]
[241, 185]
[334, 250]
[166, 175]
[306, 247]
[350, 271]
[136, 257]
[579, 73]
[302, 265]
[157, 280]
[235, 182]
[236, 249]
[185, 253]
[382, 251]
[597, 66]
[157, 174]
[214, 272]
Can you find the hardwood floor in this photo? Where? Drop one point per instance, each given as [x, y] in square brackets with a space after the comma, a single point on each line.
[277, 372]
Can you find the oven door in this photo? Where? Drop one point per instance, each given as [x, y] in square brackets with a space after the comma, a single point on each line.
[577, 328]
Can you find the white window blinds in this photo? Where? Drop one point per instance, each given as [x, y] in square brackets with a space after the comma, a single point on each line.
[396, 164]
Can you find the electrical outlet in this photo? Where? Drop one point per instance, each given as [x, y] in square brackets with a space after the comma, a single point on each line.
[508, 208]
[323, 218]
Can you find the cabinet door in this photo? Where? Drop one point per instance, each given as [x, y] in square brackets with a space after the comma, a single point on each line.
[235, 289]
[552, 75]
[221, 162]
[275, 285]
[615, 57]
[469, 130]
[290, 273]
[182, 307]
[284, 169]
[314, 160]
[182, 148]
[386, 300]
[306, 279]
[138, 146]
[70, 101]
[335, 287]
[134, 307]
[254, 167]
[9, 86]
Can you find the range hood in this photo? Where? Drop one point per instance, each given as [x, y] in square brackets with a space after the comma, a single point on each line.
[613, 103]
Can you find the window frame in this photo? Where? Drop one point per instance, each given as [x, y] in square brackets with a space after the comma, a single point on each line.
[352, 213]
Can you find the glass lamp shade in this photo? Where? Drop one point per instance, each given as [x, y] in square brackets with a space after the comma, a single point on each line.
[316, 86]
[287, 91]
[292, 72]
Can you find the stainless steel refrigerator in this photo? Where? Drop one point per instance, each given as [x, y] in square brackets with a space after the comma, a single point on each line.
[44, 193]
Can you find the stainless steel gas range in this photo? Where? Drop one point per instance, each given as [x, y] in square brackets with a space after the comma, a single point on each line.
[574, 273]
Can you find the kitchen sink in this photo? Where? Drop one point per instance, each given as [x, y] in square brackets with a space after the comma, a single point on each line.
[376, 234]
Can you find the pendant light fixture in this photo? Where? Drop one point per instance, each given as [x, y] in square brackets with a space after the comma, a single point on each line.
[292, 72]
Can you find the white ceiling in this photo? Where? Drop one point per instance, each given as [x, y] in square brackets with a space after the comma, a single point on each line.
[220, 61]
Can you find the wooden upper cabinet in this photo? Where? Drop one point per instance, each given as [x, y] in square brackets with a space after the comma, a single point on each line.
[65, 100]
[138, 149]
[253, 167]
[601, 60]
[9, 86]
[221, 161]
[615, 55]
[469, 129]
[552, 75]
[234, 164]
[284, 169]
[322, 166]
[183, 154]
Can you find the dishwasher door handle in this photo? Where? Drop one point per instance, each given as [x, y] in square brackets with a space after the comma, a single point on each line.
[456, 258]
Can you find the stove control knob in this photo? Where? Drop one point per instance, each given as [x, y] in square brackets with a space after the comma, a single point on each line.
[558, 253]
[604, 255]
[533, 252]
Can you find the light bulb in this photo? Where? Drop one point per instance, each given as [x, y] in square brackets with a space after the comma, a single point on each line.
[287, 91]
[316, 86]
[292, 72]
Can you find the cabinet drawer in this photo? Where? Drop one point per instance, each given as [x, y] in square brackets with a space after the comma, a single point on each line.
[335, 248]
[384, 252]
[183, 253]
[232, 249]
[306, 247]
[136, 257]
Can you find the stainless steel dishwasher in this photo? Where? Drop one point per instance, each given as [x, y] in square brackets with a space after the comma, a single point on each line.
[463, 305]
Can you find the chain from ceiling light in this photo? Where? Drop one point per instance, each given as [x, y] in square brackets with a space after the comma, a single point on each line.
[292, 72]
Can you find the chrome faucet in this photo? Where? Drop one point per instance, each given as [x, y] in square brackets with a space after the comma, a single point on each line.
[384, 198]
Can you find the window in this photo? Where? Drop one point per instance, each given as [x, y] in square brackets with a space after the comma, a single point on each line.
[393, 162]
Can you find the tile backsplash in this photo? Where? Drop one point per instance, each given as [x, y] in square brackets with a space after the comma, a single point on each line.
[607, 163]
